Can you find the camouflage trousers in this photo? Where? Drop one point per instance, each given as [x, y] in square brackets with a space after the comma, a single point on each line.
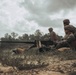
[62, 44]
[70, 42]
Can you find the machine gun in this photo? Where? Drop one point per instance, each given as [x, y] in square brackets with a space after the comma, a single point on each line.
[35, 43]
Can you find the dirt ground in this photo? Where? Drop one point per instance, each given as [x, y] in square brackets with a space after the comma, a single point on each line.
[34, 63]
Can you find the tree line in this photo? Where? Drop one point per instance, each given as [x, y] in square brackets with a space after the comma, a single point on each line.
[38, 35]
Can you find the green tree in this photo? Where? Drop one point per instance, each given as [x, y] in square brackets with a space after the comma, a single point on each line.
[31, 37]
[45, 37]
[38, 34]
[14, 35]
[6, 35]
[25, 37]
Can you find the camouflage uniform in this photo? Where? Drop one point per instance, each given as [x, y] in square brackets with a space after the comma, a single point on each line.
[70, 36]
[66, 22]
[52, 35]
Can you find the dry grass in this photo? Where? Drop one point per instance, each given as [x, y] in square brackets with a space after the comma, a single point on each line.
[32, 59]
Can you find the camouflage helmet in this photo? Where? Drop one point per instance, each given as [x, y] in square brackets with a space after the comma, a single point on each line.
[50, 29]
[66, 21]
[70, 28]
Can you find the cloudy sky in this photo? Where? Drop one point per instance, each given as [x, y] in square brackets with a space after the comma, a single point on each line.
[26, 16]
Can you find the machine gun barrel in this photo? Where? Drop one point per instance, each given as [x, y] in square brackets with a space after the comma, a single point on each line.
[27, 42]
[36, 43]
[45, 42]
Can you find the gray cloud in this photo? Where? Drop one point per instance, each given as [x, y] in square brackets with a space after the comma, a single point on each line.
[41, 9]
[15, 14]
[56, 5]
[48, 6]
